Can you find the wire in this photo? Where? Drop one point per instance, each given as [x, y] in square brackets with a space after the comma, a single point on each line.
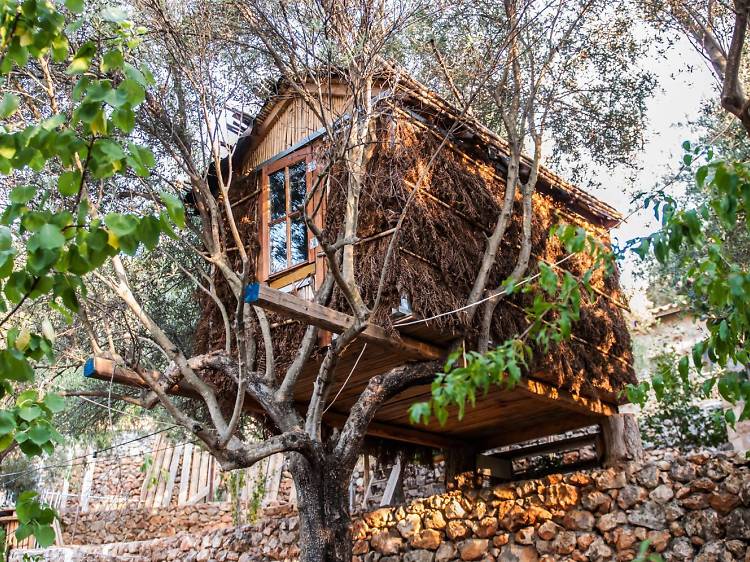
[361, 353]
[123, 412]
[95, 453]
[501, 293]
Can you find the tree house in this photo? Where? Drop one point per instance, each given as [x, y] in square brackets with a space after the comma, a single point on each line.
[458, 167]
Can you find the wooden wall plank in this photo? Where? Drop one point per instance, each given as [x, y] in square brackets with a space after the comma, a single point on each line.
[182, 497]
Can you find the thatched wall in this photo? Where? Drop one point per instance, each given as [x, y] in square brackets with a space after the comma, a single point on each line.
[440, 249]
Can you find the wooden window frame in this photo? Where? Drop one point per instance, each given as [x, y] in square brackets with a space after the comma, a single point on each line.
[264, 263]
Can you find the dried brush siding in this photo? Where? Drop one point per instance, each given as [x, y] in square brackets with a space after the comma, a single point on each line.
[440, 249]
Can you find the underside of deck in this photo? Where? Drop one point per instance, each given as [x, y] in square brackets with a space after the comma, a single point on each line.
[504, 416]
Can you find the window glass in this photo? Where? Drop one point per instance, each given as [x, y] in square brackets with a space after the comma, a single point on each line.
[297, 184]
[299, 241]
[277, 194]
[287, 234]
[278, 246]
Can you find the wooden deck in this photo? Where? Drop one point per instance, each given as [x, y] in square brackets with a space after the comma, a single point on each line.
[530, 410]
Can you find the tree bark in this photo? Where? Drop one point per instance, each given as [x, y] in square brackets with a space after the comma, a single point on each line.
[323, 506]
[622, 440]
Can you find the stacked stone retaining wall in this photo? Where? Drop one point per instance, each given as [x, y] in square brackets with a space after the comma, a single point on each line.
[691, 508]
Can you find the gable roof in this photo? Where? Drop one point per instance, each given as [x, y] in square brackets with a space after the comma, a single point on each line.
[429, 108]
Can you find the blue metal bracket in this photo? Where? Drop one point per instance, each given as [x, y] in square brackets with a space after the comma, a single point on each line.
[251, 292]
[88, 367]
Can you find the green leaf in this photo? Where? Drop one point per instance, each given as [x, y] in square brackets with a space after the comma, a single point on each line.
[69, 183]
[45, 535]
[121, 225]
[8, 105]
[13, 368]
[75, 6]
[30, 413]
[39, 433]
[54, 402]
[174, 208]
[7, 422]
[82, 59]
[112, 60]
[49, 237]
[22, 194]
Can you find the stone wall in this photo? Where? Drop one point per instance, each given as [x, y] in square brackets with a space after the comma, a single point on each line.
[693, 508]
[135, 524]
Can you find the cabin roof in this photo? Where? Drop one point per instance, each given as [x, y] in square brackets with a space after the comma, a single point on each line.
[432, 109]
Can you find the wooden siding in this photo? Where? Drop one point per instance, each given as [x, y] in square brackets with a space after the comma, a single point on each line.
[294, 122]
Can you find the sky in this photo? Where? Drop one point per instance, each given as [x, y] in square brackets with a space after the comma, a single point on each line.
[678, 99]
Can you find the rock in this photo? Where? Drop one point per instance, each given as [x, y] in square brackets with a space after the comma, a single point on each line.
[695, 501]
[560, 496]
[607, 522]
[738, 524]
[630, 495]
[564, 543]
[361, 547]
[703, 524]
[610, 479]
[386, 543]
[682, 550]
[378, 518]
[714, 552]
[456, 530]
[515, 553]
[624, 538]
[703, 485]
[579, 520]
[723, 502]
[472, 549]
[599, 551]
[409, 525]
[548, 530]
[486, 527]
[596, 501]
[718, 468]
[501, 539]
[661, 494]
[427, 538]
[525, 535]
[584, 541]
[682, 471]
[454, 510]
[648, 476]
[659, 540]
[446, 551]
[434, 520]
[419, 556]
[650, 515]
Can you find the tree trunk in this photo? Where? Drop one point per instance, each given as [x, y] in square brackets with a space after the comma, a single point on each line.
[323, 504]
[622, 440]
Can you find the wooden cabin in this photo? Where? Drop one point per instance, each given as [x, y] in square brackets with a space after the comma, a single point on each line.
[575, 384]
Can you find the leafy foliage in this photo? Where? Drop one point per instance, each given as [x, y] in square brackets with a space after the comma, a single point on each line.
[50, 233]
[719, 286]
[556, 306]
[676, 419]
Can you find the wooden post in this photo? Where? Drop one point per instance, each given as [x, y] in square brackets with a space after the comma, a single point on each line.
[394, 489]
[182, 497]
[459, 462]
[172, 476]
[88, 479]
[622, 440]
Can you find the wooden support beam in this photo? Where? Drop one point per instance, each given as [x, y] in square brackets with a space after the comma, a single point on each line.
[334, 321]
[549, 448]
[398, 433]
[107, 370]
[575, 402]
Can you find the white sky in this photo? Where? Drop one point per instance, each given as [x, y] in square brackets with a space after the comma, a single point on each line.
[678, 99]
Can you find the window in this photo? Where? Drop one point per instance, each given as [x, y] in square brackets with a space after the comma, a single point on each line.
[287, 233]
